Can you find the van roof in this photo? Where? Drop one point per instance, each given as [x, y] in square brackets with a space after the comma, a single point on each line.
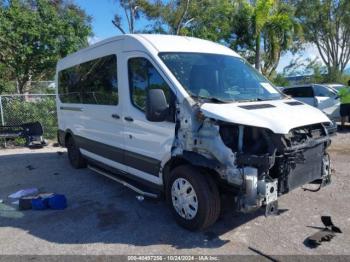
[165, 43]
[175, 43]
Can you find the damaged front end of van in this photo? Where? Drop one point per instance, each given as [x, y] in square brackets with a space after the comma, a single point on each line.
[257, 150]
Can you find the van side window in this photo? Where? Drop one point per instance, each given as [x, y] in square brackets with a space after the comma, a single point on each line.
[143, 75]
[93, 82]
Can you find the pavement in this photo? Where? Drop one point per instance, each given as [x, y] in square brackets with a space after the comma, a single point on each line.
[106, 218]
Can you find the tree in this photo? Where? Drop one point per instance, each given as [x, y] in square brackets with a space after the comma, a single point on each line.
[312, 68]
[34, 34]
[131, 14]
[5, 78]
[280, 80]
[169, 17]
[207, 19]
[262, 31]
[326, 23]
[210, 19]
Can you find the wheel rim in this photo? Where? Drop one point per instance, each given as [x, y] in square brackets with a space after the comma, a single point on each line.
[184, 198]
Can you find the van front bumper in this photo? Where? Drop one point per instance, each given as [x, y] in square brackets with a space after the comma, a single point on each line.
[298, 165]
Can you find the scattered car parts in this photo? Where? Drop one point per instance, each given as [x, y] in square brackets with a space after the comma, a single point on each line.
[325, 234]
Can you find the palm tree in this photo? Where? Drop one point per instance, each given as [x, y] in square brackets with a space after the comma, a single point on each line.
[274, 30]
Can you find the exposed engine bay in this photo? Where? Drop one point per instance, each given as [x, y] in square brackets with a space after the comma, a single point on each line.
[258, 163]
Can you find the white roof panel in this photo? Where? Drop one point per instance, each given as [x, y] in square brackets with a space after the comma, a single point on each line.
[174, 43]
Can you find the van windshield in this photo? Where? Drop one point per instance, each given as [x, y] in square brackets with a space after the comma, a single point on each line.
[219, 78]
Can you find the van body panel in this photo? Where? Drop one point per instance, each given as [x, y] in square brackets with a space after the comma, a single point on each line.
[278, 116]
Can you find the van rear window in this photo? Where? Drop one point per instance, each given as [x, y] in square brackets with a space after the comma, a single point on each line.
[92, 82]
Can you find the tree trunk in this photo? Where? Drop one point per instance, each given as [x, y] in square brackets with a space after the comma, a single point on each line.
[334, 74]
[257, 52]
[21, 86]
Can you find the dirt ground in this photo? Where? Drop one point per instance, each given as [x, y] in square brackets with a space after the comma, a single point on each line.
[104, 217]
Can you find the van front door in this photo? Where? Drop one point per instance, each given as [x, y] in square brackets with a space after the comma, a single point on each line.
[146, 143]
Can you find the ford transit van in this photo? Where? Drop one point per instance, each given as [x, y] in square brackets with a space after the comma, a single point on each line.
[189, 120]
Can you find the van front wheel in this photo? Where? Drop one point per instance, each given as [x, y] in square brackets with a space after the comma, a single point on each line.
[74, 155]
[194, 198]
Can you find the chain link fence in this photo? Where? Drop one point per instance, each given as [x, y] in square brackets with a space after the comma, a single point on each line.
[19, 109]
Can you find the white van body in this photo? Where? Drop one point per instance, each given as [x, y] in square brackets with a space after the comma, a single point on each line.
[200, 136]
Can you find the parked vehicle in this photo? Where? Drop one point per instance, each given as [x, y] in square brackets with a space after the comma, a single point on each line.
[188, 119]
[320, 96]
[337, 87]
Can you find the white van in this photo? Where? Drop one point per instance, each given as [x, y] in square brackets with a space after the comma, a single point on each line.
[187, 119]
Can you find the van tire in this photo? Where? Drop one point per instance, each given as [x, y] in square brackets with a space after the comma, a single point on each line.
[75, 157]
[207, 193]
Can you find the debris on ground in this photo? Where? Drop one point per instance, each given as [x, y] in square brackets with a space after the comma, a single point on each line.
[30, 167]
[1, 201]
[140, 198]
[15, 202]
[24, 193]
[43, 201]
[25, 203]
[325, 234]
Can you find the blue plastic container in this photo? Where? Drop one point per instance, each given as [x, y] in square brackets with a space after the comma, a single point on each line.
[57, 202]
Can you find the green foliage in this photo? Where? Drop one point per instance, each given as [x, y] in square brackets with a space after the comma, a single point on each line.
[326, 23]
[259, 30]
[210, 19]
[280, 80]
[243, 31]
[168, 17]
[315, 71]
[34, 34]
[262, 31]
[5, 84]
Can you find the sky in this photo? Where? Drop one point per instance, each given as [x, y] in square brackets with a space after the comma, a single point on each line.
[102, 13]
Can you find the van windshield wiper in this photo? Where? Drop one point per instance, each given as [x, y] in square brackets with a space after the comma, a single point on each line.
[210, 99]
[263, 99]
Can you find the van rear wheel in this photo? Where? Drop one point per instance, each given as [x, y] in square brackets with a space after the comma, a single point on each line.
[194, 198]
[74, 155]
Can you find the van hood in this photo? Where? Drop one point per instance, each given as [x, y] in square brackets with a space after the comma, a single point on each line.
[280, 116]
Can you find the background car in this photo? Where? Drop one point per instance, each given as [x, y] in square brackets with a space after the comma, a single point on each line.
[322, 96]
[337, 87]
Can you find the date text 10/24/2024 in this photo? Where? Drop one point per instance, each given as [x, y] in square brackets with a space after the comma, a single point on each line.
[173, 258]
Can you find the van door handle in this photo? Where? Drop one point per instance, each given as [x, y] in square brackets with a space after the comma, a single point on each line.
[115, 116]
[129, 119]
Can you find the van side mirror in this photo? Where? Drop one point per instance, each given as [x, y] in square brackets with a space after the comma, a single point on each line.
[157, 107]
